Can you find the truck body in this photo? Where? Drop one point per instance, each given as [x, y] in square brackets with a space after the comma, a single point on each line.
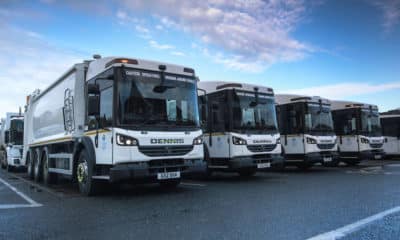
[359, 131]
[239, 121]
[115, 119]
[306, 127]
[11, 143]
[390, 122]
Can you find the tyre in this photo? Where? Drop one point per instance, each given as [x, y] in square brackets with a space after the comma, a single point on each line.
[4, 160]
[334, 163]
[170, 184]
[10, 168]
[247, 172]
[304, 166]
[209, 172]
[84, 172]
[37, 168]
[352, 163]
[29, 164]
[48, 177]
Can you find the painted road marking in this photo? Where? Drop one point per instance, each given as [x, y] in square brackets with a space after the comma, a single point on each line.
[31, 202]
[37, 186]
[343, 231]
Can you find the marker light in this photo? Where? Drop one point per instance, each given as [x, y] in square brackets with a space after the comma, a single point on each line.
[122, 60]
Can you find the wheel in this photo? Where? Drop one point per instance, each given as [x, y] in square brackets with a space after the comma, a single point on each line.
[4, 162]
[37, 169]
[169, 184]
[247, 172]
[29, 164]
[10, 168]
[48, 177]
[84, 172]
[331, 164]
[209, 172]
[304, 166]
[352, 163]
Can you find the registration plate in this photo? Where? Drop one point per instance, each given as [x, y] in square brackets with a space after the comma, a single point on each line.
[264, 165]
[327, 159]
[378, 156]
[168, 175]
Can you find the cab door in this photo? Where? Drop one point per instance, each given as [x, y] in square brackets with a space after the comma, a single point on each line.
[101, 127]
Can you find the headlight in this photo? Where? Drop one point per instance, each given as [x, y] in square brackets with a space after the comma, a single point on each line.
[198, 140]
[364, 140]
[278, 141]
[123, 140]
[311, 141]
[238, 141]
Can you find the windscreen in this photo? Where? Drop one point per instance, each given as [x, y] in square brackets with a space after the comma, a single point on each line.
[319, 118]
[370, 123]
[156, 99]
[253, 113]
[17, 131]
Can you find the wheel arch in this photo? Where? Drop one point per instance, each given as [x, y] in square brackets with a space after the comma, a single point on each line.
[84, 143]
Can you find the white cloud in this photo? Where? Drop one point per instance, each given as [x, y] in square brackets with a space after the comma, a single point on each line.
[28, 62]
[177, 53]
[391, 13]
[156, 45]
[255, 31]
[344, 90]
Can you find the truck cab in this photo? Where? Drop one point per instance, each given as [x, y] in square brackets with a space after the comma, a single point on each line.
[12, 134]
[239, 122]
[390, 122]
[306, 128]
[359, 131]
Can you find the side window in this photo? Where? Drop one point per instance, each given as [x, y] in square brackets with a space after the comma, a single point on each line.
[105, 82]
[294, 119]
[106, 107]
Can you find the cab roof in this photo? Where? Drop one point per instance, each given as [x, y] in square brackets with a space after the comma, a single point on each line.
[215, 86]
[293, 98]
[338, 105]
[98, 66]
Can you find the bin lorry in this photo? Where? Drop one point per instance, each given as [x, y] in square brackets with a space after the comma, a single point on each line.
[12, 131]
[115, 119]
[241, 133]
[306, 127]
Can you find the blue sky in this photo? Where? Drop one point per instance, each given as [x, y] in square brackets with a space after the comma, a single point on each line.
[335, 49]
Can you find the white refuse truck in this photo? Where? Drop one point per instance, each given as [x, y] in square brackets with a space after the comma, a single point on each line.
[12, 131]
[390, 122]
[306, 127]
[239, 122]
[359, 131]
[115, 119]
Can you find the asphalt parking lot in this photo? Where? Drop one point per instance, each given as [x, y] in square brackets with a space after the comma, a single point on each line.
[324, 203]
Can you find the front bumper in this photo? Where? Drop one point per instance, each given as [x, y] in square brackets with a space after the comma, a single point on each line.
[253, 161]
[16, 162]
[375, 154]
[313, 158]
[146, 172]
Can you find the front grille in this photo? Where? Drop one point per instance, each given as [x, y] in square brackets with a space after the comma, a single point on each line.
[158, 151]
[166, 165]
[376, 145]
[261, 148]
[325, 146]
